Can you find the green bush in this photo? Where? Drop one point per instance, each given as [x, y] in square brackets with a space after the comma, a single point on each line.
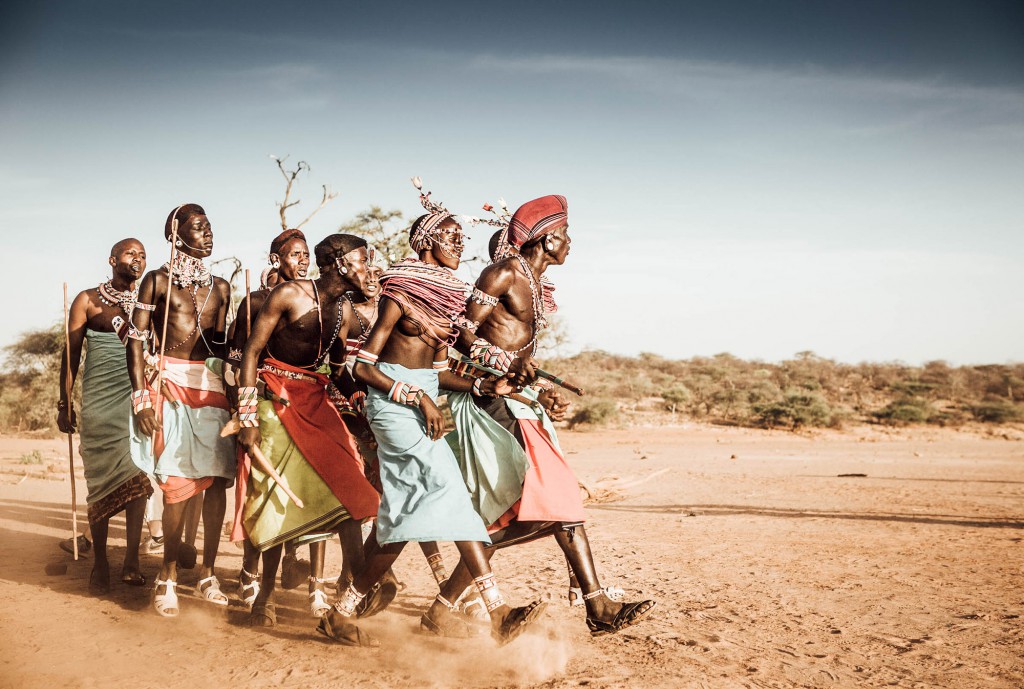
[797, 408]
[906, 411]
[597, 412]
[675, 397]
[997, 412]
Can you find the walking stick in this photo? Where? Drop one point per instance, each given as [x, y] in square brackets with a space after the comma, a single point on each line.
[248, 307]
[71, 442]
[158, 403]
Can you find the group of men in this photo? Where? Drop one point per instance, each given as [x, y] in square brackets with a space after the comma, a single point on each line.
[321, 403]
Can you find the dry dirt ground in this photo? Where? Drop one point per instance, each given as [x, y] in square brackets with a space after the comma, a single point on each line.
[861, 558]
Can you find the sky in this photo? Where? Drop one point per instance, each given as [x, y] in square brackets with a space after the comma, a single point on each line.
[760, 178]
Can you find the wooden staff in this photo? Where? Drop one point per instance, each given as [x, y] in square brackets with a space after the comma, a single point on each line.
[541, 373]
[158, 403]
[268, 468]
[248, 307]
[71, 441]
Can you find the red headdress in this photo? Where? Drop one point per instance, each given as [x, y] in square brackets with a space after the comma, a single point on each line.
[536, 218]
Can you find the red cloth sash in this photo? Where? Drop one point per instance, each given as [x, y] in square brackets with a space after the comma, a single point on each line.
[550, 491]
[179, 489]
[315, 426]
[179, 394]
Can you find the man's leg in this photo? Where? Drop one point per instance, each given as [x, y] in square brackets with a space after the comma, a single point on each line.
[133, 514]
[433, 554]
[187, 551]
[249, 577]
[214, 505]
[263, 612]
[99, 578]
[603, 614]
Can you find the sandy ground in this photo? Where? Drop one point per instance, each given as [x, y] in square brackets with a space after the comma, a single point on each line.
[770, 570]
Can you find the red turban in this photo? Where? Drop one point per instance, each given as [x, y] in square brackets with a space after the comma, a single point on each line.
[536, 218]
[284, 238]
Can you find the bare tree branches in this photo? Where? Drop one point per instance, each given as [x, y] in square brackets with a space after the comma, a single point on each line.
[289, 179]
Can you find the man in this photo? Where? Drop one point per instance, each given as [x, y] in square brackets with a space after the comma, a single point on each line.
[100, 316]
[509, 305]
[299, 332]
[176, 428]
[403, 363]
[289, 260]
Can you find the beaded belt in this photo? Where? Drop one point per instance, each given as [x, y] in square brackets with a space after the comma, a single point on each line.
[303, 377]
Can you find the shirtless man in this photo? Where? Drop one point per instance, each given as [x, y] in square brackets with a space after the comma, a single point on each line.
[298, 334]
[509, 306]
[101, 316]
[178, 440]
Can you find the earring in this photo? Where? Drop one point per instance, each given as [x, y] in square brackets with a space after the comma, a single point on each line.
[550, 246]
[275, 265]
[177, 243]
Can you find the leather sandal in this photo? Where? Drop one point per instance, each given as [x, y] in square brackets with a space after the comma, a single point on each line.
[166, 603]
[318, 604]
[516, 621]
[337, 628]
[628, 615]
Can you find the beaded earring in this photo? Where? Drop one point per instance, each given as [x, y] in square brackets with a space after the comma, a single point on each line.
[177, 243]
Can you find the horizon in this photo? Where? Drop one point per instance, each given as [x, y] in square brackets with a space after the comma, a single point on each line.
[760, 180]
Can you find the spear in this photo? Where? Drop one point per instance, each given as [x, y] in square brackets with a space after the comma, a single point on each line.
[541, 373]
[71, 442]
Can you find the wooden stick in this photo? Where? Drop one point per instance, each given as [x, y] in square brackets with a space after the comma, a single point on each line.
[158, 403]
[248, 307]
[539, 371]
[71, 441]
[268, 468]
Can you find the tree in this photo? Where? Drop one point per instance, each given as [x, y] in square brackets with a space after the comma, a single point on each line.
[385, 230]
[289, 181]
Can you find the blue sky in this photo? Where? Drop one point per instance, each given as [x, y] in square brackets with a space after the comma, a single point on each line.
[760, 178]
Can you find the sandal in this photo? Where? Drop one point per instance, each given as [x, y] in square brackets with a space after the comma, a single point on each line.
[211, 592]
[133, 578]
[293, 572]
[450, 626]
[318, 604]
[263, 615]
[344, 633]
[379, 597]
[247, 592]
[474, 608]
[576, 599]
[166, 603]
[516, 621]
[628, 615]
[187, 556]
[84, 546]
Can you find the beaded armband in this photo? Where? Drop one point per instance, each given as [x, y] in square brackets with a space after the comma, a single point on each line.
[492, 356]
[441, 365]
[365, 357]
[141, 399]
[234, 354]
[483, 298]
[144, 307]
[136, 334]
[248, 404]
[404, 393]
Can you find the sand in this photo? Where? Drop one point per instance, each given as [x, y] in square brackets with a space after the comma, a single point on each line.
[770, 569]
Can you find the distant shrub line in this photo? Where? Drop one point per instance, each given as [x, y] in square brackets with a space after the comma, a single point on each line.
[806, 391]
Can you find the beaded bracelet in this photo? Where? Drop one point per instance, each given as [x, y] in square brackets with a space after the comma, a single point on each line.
[248, 406]
[365, 357]
[441, 365]
[141, 399]
[404, 393]
[478, 388]
[493, 356]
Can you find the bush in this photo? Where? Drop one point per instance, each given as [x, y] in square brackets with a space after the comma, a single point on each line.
[595, 413]
[797, 408]
[906, 411]
[675, 397]
[997, 412]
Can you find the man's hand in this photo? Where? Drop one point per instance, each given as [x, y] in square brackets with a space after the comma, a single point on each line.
[249, 438]
[65, 424]
[555, 405]
[523, 371]
[146, 420]
[432, 416]
[497, 387]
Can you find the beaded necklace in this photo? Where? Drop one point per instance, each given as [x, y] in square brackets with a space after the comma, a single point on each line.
[536, 296]
[189, 271]
[111, 296]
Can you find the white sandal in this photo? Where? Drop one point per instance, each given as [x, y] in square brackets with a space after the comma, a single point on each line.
[166, 603]
[211, 593]
[318, 604]
[577, 599]
[247, 592]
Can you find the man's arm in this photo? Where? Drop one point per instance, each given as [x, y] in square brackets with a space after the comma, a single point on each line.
[266, 322]
[219, 345]
[492, 285]
[141, 324]
[78, 317]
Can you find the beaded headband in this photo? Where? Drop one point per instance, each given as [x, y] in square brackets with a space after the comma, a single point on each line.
[429, 226]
